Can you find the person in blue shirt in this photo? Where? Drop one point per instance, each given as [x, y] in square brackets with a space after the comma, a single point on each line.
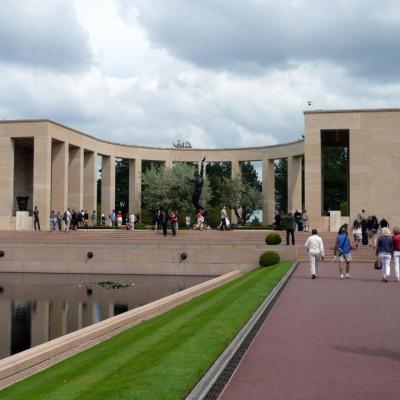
[343, 252]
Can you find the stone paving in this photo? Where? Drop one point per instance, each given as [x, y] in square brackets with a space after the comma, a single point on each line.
[326, 339]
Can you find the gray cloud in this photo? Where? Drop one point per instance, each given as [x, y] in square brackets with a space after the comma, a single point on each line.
[43, 34]
[246, 36]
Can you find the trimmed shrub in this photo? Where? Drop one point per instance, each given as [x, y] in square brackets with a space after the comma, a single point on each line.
[140, 225]
[269, 258]
[273, 238]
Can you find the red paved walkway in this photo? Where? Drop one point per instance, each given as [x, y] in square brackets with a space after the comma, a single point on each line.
[326, 339]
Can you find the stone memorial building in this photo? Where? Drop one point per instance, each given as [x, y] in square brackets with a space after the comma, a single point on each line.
[52, 166]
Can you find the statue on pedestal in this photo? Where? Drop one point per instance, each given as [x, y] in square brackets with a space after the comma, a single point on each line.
[198, 180]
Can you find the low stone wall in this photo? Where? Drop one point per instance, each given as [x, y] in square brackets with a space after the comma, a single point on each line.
[89, 336]
[205, 259]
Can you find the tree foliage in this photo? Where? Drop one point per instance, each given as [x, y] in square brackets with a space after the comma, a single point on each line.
[249, 175]
[241, 197]
[216, 172]
[171, 189]
[335, 178]
[182, 144]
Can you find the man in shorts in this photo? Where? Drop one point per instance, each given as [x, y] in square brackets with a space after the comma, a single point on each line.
[343, 252]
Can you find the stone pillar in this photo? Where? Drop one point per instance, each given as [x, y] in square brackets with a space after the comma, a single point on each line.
[6, 182]
[313, 175]
[90, 181]
[135, 186]
[59, 176]
[75, 178]
[42, 178]
[108, 185]
[268, 191]
[294, 184]
[235, 169]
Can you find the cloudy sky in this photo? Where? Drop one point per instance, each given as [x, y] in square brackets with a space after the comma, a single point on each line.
[229, 73]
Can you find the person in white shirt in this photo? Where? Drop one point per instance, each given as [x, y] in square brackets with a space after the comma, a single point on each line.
[315, 250]
[132, 220]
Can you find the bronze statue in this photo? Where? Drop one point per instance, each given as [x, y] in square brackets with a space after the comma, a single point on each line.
[198, 186]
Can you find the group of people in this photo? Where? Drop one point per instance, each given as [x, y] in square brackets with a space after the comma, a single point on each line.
[387, 246]
[296, 221]
[72, 220]
[116, 220]
[162, 217]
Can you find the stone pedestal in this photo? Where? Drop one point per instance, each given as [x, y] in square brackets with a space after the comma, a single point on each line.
[23, 221]
[335, 221]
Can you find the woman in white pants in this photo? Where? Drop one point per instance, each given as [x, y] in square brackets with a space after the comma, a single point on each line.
[315, 249]
[396, 252]
[384, 251]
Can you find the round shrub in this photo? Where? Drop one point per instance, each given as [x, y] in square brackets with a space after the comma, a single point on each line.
[273, 238]
[269, 258]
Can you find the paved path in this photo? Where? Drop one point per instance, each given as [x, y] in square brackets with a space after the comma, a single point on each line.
[326, 339]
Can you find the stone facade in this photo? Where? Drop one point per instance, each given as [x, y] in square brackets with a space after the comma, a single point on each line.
[56, 166]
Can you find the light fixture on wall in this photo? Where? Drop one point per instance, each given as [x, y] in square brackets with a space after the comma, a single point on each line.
[183, 256]
[2, 254]
[89, 255]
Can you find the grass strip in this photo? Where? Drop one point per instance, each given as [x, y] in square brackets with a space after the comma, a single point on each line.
[163, 358]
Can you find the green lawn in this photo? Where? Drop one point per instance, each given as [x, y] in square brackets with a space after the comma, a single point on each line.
[162, 358]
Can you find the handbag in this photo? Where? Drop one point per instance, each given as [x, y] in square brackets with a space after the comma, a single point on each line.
[378, 264]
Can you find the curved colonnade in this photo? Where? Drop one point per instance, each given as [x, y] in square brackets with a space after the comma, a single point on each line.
[57, 165]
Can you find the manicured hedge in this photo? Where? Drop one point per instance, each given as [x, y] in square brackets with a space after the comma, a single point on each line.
[269, 258]
[273, 238]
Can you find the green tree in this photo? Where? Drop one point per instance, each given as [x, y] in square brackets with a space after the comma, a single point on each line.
[249, 175]
[241, 197]
[182, 144]
[171, 189]
[122, 185]
[216, 172]
[335, 178]
[281, 185]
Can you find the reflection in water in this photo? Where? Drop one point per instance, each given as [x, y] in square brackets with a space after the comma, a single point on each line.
[35, 308]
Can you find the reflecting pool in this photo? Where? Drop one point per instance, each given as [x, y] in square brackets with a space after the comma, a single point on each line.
[35, 308]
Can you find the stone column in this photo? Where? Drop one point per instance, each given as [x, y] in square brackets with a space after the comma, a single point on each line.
[268, 191]
[42, 178]
[75, 178]
[59, 176]
[168, 164]
[235, 169]
[108, 185]
[135, 186]
[90, 181]
[313, 175]
[294, 184]
[6, 182]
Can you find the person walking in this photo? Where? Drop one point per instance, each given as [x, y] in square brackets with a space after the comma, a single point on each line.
[224, 216]
[36, 222]
[93, 217]
[200, 220]
[304, 220]
[357, 233]
[59, 220]
[53, 220]
[396, 252]
[384, 251]
[315, 250]
[164, 221]
[343, 252]
[132, 220]
[290, 228]
[174, 222]
[67, 220]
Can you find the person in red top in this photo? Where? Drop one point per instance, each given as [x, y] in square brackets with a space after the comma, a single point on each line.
[174, 221]
[396, 251]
